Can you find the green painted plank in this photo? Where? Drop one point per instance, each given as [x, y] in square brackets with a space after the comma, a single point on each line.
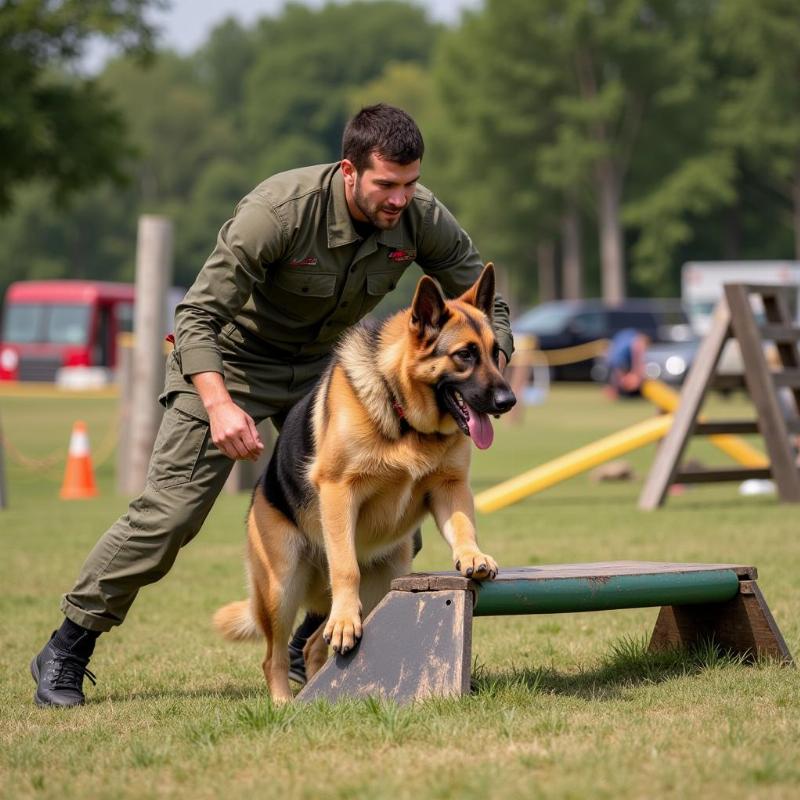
[562, 595]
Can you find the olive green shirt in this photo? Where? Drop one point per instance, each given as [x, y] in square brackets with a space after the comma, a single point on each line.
[289, 272]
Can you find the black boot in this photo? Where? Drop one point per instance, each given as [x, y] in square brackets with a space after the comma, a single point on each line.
[59, 669]
[297, 664]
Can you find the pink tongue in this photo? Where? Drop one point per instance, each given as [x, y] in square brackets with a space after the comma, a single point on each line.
[480, 428]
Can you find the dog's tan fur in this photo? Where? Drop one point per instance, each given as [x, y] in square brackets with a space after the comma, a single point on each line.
[373, 481]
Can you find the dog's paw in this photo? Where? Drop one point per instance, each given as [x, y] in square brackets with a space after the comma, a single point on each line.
[477, 565]
[343, 629]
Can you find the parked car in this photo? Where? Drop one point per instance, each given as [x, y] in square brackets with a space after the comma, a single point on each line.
[670, 361]
[567, 323]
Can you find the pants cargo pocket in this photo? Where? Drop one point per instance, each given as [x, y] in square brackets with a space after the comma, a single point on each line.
[180, 441]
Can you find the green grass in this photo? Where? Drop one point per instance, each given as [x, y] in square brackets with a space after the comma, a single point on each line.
[564, 705]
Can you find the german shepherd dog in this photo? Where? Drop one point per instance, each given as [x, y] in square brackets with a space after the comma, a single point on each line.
[381, 440]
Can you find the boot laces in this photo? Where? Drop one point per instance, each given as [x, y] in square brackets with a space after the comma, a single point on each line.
[69, 672]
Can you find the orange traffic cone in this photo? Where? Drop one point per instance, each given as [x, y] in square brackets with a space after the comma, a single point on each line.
[78, 476]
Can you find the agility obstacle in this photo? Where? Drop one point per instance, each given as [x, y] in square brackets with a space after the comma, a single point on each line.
[734, 318]
[417, 642]
[573, 463]
[609, 447]
[667, 399]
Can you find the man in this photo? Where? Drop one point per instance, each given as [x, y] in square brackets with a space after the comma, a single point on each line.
[308, 253]
[625, 361]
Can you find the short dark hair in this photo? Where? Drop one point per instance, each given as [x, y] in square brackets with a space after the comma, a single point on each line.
[385, 130]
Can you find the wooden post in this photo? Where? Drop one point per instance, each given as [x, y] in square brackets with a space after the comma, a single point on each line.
[3, 494]
[572, 257]
[153, 278]
[546, 261]
[124, 379]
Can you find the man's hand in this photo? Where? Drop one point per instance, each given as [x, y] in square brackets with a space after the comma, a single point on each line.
[232, 430]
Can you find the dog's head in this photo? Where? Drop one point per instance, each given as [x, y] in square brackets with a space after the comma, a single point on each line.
[457, 355]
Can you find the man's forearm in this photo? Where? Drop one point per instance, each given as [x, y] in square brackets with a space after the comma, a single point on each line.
[211, 388]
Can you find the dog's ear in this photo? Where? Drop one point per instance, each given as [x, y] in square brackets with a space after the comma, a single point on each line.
[429, 308]
[481, 293]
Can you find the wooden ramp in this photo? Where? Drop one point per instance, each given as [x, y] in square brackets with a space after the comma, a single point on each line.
[734, 318]
[418, 641]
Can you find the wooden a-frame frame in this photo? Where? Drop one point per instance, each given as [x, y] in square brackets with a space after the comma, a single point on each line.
[734, 318]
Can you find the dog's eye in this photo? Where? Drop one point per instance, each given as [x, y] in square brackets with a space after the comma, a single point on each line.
[469, 353]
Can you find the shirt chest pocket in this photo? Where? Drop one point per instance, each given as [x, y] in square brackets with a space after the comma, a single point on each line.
[306, 284]
[305, 296]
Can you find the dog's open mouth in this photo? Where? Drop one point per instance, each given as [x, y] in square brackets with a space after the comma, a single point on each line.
[475, 424]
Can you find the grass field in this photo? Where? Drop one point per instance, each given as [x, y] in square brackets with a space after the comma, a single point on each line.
[566, 705]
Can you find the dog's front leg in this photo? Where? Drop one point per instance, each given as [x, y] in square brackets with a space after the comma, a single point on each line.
[454, 511]
[339, 512]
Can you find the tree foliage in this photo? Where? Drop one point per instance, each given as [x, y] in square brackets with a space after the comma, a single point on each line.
[296, 93]
[760, 114]
[670, 128]
[55, 124]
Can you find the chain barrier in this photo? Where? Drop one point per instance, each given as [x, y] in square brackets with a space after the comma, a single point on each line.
[526, 355]
[26, 462]
[58, 457]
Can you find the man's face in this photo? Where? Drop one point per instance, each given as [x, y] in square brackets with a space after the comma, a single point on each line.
[380, 193]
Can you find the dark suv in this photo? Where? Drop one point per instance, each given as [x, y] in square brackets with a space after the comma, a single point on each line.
[566, 323]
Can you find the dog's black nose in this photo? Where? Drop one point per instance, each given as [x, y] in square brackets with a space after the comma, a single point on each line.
[504, 399]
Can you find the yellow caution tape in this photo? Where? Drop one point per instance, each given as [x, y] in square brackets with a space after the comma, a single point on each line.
[527, 353]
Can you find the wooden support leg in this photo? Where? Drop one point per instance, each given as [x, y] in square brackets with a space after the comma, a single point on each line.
[415, 645]
[743, 625]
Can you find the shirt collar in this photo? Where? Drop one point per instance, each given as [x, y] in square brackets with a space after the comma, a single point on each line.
[340, 223]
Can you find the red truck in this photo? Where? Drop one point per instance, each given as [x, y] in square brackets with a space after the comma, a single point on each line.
[62, 323]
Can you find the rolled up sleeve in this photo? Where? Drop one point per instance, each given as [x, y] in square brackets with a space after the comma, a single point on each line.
[246, 245]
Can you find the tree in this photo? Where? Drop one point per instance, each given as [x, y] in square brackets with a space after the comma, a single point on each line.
[491, 89]
[222, 64]
[627, 64]
[201, 131]
[54, 123]
[307, 60]
[761, 110]
[572, 108]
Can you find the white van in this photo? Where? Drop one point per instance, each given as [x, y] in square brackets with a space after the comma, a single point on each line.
[702, 282]
[702, 285]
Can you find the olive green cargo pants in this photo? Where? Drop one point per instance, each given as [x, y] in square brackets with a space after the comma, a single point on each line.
[185, 475]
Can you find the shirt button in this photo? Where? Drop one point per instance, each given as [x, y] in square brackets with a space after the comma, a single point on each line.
[305, 289]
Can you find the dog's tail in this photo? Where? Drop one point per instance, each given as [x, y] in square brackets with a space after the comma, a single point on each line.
[235, 622]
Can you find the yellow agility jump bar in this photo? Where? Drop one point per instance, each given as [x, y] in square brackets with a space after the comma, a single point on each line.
[580, 460]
